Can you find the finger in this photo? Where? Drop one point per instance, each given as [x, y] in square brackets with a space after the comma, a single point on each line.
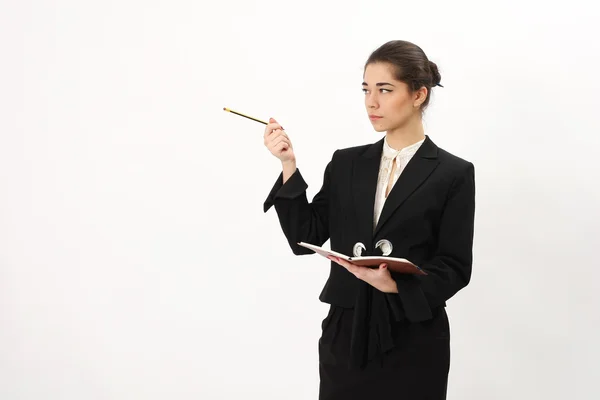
[270, 128]
[285, 140]
[280, 132]
[348, 265]
[340, 261]
[277, 133]
[268, 139]
[280, 139]
[359, 272]
[354, 269]
[272, 120]
[335, 260]
[280, 147]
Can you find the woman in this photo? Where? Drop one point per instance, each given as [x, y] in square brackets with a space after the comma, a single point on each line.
[386, 334]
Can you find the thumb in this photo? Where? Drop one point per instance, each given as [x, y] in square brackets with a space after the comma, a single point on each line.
[271, 120]
[383, 266]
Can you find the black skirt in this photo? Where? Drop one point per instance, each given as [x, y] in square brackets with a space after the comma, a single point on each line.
[416, 368]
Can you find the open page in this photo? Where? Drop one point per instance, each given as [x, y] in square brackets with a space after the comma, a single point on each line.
[399, 265]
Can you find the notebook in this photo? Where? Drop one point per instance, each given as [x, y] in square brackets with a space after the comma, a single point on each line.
[400, 265]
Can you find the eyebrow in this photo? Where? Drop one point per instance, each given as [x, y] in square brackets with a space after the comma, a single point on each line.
[378, 84]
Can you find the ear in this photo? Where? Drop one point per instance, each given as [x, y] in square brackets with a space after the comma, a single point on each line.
[419, 97]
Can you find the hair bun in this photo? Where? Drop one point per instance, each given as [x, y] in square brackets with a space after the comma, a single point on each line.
[436, 78]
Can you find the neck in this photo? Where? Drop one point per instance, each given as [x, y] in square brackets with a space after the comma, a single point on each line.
[407, 134]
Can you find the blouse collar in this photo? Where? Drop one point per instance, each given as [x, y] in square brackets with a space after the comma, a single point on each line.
[390, 152]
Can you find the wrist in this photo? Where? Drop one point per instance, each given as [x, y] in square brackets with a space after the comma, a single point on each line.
[289, 163]
[289, 167]
[391, 287]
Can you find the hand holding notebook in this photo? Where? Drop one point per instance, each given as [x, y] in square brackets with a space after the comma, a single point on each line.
[400, 265]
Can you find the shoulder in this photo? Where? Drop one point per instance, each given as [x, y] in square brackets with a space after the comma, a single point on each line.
[351, 152]
[454, 167]
[347, 154]
[452, 160]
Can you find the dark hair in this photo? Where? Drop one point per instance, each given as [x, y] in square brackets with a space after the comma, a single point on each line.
[411, 65]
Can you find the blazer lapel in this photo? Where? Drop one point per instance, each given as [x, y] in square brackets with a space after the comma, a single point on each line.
[416, 172]
[365, 171]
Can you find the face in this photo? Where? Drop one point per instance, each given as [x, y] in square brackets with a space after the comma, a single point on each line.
[389, 102]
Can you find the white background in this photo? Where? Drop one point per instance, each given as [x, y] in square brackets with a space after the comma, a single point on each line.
[135, 258]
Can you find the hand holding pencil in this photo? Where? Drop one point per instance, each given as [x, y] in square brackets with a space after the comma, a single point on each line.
[278, 142]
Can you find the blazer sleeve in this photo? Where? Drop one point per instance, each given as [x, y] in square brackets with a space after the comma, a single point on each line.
[300, 220]
[450, 269]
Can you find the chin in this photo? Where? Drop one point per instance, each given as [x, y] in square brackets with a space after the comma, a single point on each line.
[379, 128]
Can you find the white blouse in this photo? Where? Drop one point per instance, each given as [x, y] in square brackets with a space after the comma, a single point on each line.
[402, 157]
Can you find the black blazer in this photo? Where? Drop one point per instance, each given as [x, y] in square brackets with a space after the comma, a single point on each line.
[428, 217]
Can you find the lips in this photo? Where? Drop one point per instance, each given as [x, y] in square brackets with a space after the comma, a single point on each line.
[374, 117]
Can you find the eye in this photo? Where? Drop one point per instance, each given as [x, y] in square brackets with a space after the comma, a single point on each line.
[381, 90]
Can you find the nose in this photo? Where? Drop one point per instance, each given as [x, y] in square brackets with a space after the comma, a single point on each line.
[371, 101]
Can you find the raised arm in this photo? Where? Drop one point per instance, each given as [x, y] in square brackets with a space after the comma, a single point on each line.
[300, 220]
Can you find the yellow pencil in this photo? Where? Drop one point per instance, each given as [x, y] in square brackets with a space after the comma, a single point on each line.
[245, 116]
